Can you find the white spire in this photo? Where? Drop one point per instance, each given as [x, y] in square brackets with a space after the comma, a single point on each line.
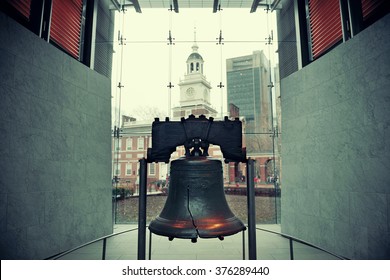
[195, 46]
[194, 34]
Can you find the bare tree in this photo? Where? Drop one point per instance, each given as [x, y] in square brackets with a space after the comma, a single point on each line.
[146, 113]
[258, 143]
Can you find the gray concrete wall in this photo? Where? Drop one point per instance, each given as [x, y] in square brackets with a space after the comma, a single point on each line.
[336, 148]
[55, 165]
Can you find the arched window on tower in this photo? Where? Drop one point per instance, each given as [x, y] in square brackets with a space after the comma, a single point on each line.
[197, 67]
[192, 67]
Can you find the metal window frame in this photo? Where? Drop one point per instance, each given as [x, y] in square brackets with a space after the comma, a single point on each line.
[39, 22]
[351, 22]
[325, 37]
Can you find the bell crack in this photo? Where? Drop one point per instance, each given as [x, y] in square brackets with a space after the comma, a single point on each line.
[193, 240]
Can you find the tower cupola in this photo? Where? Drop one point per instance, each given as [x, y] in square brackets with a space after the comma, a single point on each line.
[194, 89]
[195, 60]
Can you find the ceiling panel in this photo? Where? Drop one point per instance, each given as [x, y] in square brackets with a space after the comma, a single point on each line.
[139, 5]
[145, 4]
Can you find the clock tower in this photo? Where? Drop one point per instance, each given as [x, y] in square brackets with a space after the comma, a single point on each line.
[194, 89]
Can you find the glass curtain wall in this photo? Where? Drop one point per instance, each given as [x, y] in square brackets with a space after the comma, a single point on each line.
[150, 69]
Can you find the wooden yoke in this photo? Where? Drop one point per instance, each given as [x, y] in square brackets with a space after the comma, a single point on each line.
[166, 136]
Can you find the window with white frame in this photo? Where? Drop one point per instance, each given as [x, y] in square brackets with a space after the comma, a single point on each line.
[140, 143]
[128, 144]
[152, 169]
[117, 169]
[128, 169]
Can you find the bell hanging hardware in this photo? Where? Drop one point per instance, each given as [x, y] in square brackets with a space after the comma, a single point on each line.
[196, 205]
[167, 135]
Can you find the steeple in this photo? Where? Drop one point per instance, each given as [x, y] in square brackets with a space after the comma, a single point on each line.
[195, 60]
[194, 88]
[195, 45]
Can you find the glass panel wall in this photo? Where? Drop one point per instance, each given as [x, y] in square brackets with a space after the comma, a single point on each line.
[152, 78]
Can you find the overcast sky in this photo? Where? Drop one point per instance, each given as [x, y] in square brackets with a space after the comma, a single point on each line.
[146, 66]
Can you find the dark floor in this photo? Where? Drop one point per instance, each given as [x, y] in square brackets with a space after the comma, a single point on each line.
[269, 247]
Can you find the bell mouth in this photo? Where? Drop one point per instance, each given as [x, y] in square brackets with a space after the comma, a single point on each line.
[205, 228]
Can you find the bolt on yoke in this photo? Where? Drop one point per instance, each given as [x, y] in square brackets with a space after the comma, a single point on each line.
[196, 134]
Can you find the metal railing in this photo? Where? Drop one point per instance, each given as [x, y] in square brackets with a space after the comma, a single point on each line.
[104, 248]
[291, 240]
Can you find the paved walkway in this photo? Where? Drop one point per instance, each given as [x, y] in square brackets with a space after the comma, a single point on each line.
[269, 247]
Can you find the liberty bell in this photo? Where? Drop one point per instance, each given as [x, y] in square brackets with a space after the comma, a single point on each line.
[196, 205]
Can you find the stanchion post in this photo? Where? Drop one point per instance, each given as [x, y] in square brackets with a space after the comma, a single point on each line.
[150, 245]
[142, 210]
[243, 244]
[251, 210]
[104, 248]
[291, 249]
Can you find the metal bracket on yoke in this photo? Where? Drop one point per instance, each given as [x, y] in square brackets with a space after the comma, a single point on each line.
[202, 131]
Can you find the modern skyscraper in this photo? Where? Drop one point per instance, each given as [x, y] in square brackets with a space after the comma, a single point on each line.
[247, 88]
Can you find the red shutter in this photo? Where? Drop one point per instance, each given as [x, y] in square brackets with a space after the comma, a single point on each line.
[65, 27]
[370, 7]
[325, 25]
[23, 6]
